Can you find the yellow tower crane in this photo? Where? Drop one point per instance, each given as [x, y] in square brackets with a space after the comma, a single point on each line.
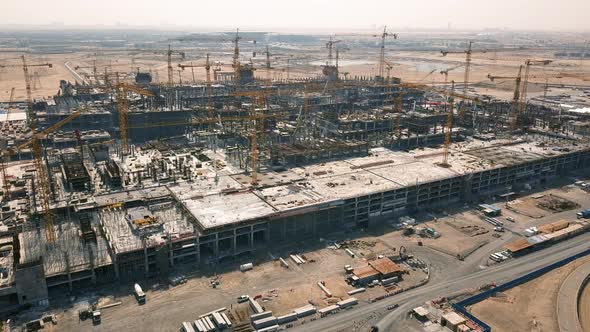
[123, 90]
[5, 184]
[169, 54]
[449, 128]
[451, 95]
[519, 99]
[43, 187]
[468, 53]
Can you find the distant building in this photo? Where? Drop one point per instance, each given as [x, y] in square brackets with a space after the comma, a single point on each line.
[143, 78]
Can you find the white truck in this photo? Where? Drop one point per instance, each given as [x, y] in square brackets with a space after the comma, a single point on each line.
[139, 294]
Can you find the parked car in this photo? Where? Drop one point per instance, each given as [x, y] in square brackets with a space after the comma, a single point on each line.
[243, 298]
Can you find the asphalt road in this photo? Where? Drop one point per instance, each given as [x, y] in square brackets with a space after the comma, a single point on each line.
[354, 320]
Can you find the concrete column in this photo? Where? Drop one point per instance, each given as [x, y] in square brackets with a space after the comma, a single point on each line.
[145, 258]
[216, 246]
[91, 259]
[251, 236]
[116, 266]
[170, 253]
[67, 258]
[284, 229]
[198, 249]
[235, 242]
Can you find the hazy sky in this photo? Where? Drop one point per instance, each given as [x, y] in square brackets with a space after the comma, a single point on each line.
[571, 15]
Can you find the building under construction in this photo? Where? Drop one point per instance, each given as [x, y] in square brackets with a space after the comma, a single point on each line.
[143, 177]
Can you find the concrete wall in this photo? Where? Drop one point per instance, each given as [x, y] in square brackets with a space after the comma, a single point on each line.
[30, 283]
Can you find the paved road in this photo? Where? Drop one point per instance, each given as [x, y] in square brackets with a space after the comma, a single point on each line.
[346, 321]
[584, 309]
[567, 299]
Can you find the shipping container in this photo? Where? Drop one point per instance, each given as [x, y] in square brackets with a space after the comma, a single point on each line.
[305, 311]
[187, 327]
[287, 318]
[255, 306]
[219, 321]
[227, 321]
[260, 315]
[210, 324]
[348, 302]
[328, 310]
[200, 326]
[273, 328]
[265, 322]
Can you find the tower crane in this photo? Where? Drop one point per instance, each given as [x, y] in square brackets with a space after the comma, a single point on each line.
[527, 66]
[445, 72]
[468, 52]
[169, 53]
[451, 95]
[257, 116]
[448, 132]
[40, 135]
[330, 45]
[5, 184]
[268, 64]
[93, 67]
[236, 65]
[123, 107]
[383, 35]
[42, 175]
[519, 98]
[267, 53]
[207, 66]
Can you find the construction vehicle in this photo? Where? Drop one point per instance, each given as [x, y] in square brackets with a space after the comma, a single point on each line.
[139, 294]
[90, 312]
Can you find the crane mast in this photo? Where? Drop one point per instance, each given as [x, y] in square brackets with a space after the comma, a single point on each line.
[449, 125]
[42, 175]
[382, 49]
[122, 90]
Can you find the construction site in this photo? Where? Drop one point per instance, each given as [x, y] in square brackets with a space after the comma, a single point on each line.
[120, 177]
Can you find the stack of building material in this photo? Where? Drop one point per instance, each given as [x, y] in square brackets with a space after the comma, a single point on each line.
[256, 307]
